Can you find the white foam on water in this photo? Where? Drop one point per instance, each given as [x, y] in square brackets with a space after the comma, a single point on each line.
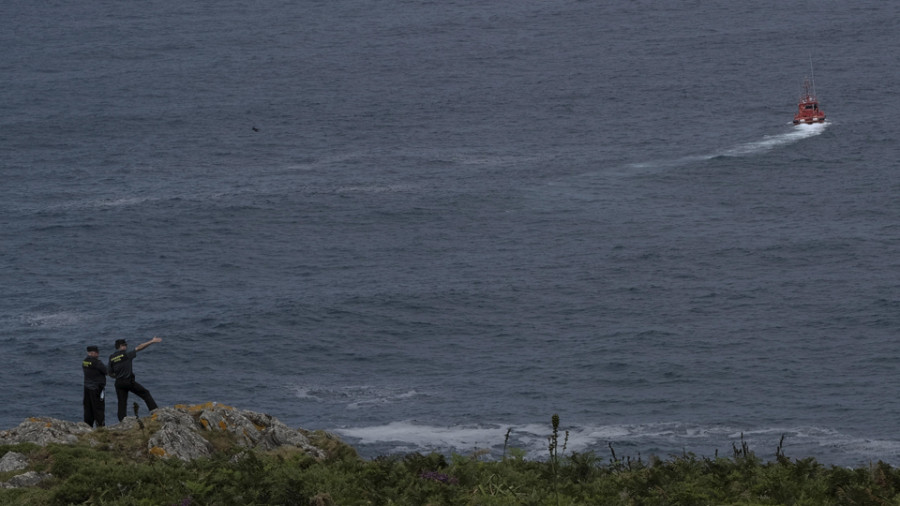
[383, 397]
[532, 438]
[795, 133]
[426, 437]
[353, 396]
[769, 142]
[58, 319]
[670, 437]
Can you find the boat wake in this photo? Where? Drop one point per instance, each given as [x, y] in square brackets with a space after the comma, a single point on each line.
[769, 142]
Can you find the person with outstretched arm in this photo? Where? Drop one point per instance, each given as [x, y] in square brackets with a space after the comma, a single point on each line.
[120, 368]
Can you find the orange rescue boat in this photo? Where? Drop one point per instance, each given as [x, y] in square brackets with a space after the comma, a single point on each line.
[808, 109]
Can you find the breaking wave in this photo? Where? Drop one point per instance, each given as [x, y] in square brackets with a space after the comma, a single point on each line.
[660, 439]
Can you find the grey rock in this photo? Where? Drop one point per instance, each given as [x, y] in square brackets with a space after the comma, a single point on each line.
[127, 423]
[227, 419]
[13, 461]
[175, 416]
[179, 433]
[256, 430]
[178, 436]
[174, 440]
[29, 479]
[42, 430]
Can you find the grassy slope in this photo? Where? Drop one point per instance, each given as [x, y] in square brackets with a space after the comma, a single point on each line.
[109, 467]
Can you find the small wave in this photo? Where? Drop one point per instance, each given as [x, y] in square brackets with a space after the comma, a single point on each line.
[59, 319]
[119, 202]
[98, 203]
[824, 438]
[493, 160]
[409, 435]
[394, 188]
[427, 437]
[354, 397]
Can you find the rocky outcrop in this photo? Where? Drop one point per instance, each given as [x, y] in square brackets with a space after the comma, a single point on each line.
[41, 431]
[178, 436]
[13, 461]
[253, 430]
[182, 432]
[179, 432]
[181, 428]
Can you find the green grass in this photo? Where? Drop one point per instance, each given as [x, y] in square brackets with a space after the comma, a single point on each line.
[116, 469]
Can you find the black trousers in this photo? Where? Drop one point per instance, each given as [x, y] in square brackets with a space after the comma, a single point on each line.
[94, 407]
[122, 389]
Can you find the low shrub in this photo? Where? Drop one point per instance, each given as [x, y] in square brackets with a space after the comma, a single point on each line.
[107, 474]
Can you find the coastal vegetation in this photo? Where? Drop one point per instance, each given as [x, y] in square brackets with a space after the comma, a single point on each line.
[115, 468]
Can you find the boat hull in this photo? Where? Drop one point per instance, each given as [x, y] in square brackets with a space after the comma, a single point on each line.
[809, 121]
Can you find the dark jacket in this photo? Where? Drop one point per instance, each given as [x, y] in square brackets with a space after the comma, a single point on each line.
[120, 366]
[94, 373]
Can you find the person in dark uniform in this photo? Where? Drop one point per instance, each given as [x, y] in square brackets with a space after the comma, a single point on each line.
[120, 368]
[94, 383]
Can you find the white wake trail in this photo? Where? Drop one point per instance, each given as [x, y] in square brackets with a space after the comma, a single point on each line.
[770, 142]
[767, 143]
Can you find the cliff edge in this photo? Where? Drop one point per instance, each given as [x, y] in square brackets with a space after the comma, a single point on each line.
[185, 432]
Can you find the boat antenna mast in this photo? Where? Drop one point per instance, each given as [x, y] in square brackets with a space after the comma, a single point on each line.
[812, 75]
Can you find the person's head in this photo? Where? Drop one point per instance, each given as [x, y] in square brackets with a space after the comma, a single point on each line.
[121, 344]
[93, 351]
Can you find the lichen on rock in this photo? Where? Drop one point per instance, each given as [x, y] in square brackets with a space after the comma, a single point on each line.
[42, 431]
[183, 431]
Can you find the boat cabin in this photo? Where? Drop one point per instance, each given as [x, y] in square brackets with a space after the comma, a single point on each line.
[808, 108]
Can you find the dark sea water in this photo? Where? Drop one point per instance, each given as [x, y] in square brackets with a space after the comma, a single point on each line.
[422, 224]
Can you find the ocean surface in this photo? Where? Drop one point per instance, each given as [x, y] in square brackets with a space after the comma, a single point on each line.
[424, 225]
